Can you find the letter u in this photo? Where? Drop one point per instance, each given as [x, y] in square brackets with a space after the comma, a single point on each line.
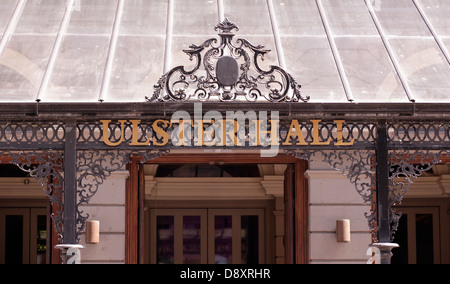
[106, 133]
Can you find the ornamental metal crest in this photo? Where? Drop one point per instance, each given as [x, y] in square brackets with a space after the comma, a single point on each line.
[227, 71]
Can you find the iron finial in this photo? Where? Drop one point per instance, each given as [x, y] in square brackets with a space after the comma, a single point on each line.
[226, 27]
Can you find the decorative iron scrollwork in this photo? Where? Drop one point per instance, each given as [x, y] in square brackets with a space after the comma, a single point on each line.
[405, 168]
[358, 166]
[94, 167]
[46, 168]
[37, 147]
[229, 73]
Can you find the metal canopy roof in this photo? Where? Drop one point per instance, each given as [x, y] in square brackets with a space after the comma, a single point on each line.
[85, 51]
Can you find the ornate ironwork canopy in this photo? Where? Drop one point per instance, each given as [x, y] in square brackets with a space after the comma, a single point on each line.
[72, 149]
[40, 148]
[227, 71]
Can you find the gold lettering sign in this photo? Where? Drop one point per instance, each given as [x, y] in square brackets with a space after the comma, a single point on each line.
[225, 132]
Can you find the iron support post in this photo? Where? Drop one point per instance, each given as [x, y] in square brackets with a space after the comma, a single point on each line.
[383, 204]
[70, 184]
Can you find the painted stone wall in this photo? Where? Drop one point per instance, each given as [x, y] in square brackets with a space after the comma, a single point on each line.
[108, 207]
[333, 197]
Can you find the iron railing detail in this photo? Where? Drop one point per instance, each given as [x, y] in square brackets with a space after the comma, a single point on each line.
[27, 135]
[37, 147]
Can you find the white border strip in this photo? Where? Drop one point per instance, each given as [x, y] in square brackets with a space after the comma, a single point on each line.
[169, 35]
[335, 51]
[12, 24]
[111, 53]
[51, 63]
[276, 35]
[390, 51]
[433, 31]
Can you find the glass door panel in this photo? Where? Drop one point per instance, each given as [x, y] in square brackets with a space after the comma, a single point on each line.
[14, 229]
[236, 236]
[38, 236]
[223, 239]
[178, 236]
[400, 254]
[424, 239]
[418, 236]
[192, 240]
[200, 236]
[249, 239]
[14, 236]
[165, 239]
